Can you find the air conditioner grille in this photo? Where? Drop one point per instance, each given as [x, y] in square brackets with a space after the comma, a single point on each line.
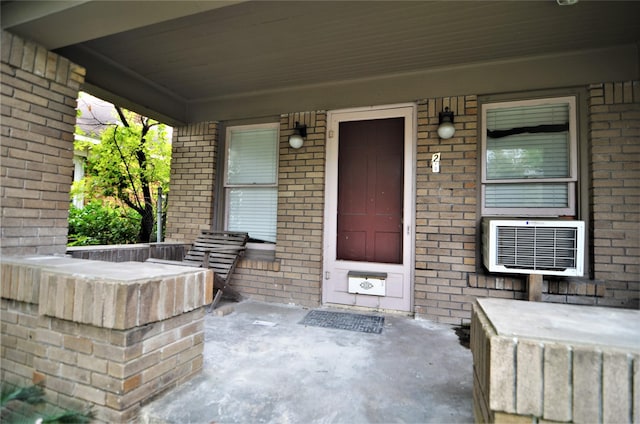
[537, 248]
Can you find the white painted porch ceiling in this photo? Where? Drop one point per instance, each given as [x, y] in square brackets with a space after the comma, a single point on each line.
[221, 50]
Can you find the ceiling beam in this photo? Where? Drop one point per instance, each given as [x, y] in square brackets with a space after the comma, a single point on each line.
[56, 24]
[112, 81]
[619, 63]
[106, 80]
[16, 13]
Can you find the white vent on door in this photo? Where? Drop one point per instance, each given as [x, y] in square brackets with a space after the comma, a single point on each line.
[533, 247]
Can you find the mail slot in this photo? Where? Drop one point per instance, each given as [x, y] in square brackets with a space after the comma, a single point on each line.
[372, 283]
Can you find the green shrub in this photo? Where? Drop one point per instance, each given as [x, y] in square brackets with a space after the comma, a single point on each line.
[27, 405]
[101, 224]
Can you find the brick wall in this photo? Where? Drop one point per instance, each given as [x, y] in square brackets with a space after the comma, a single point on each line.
[446, 212]
[614, 117]
[296, 274]
[39, 92]
[81, 365]
[448, 272]
[448, 275]
[102, 337]
[193, 171]
[566, 374]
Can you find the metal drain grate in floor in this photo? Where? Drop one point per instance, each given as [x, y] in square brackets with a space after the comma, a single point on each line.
[344, 321]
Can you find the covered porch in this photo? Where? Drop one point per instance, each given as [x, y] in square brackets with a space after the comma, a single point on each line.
[210, 68]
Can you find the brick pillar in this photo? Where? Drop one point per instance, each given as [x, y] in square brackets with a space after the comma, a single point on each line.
[446, 211]
[39, 92]
[301, 208]
[100, 336]
[614, 110]
[193, 171]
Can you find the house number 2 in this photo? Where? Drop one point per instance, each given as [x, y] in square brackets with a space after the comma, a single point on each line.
[435, 162]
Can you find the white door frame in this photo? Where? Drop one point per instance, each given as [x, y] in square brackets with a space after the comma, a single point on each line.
[330, 263]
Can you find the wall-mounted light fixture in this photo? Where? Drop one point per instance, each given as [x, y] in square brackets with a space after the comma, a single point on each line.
[445, 124]
[297, 138]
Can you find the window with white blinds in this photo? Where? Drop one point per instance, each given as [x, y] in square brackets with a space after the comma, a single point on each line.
[529, 162]
[251, 178]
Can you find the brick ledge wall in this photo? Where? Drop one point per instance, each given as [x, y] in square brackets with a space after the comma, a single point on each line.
[564, 376]
[92, 334]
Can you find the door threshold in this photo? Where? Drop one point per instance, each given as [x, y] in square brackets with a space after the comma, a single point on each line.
[368, 309]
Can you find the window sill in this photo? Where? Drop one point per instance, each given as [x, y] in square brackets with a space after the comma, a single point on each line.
[260, 260]
[266, 255]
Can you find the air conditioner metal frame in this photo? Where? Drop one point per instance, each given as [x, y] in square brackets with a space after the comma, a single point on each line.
[529, 246]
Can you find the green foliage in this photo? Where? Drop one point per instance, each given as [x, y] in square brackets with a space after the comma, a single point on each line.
[127, 167]
[114, 168]
[30, 395]
[27, 405]
[97, 224]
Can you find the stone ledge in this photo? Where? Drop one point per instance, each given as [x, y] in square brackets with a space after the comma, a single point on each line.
[561, 363]
[130, 252]
[103, 294]
[607, 328]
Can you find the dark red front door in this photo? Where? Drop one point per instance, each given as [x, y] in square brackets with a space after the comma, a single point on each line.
[370, 190]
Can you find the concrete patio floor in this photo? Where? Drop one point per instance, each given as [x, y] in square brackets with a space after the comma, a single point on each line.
[261, 366]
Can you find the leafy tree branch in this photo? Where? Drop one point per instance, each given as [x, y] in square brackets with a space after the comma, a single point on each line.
[128, 165]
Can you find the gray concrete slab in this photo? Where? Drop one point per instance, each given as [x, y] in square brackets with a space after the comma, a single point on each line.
[569, 324]
[261, 366]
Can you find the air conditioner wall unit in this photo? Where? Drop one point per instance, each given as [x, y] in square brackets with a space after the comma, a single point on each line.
[533, 247]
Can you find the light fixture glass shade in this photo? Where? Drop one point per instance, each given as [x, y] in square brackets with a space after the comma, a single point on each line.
[446, 130]
[296, 141]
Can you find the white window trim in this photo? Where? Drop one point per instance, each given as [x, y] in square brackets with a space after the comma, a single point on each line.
[227, 186]
[571, 180]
